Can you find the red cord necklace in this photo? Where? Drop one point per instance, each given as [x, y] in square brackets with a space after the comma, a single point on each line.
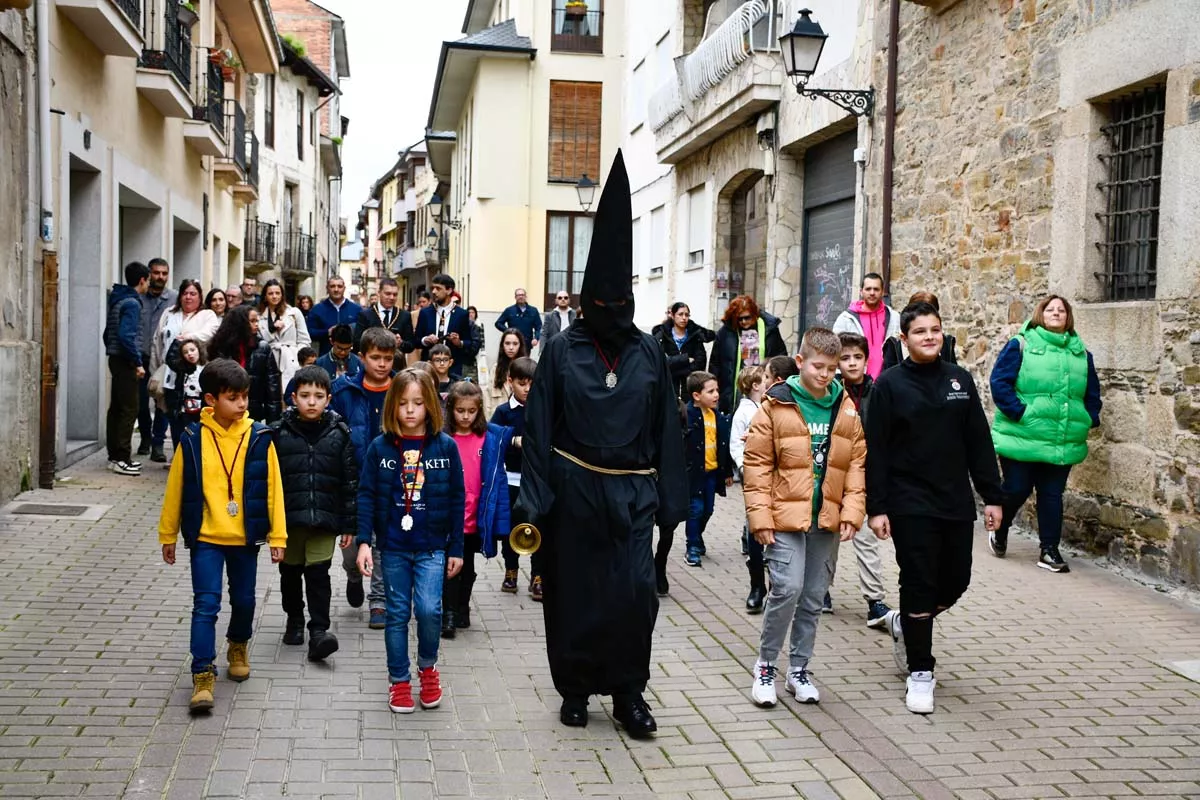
[610, 380]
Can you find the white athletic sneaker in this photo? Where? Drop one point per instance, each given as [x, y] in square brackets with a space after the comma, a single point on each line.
[799, 684]
[763, 690]
[125, 467]
[919, 698]
[899, 654]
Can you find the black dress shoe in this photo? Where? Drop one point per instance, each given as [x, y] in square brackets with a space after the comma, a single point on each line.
[754, 602]
[574, 712]
[462, 618]
[633, 714]
[448, 627]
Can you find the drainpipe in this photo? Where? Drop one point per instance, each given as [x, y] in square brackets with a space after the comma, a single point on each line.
[889, 142]
[48, 409]
[44, 143]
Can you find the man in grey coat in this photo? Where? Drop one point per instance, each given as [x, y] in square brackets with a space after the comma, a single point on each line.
[557, 319]
[152, 421]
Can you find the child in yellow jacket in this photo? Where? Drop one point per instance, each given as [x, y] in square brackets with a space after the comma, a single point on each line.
[225, 494]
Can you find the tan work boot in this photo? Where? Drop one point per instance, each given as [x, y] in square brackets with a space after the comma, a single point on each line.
[202, 691]
[239, 661]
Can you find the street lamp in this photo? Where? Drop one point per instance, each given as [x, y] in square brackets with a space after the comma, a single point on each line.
[391, 255]
[435, 210]
[586, 188]
[431, 239]
[801, 49]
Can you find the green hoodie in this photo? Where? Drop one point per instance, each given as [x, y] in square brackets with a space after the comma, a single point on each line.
[816, 412]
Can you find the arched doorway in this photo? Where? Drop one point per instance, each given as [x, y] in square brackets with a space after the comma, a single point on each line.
[748, 238]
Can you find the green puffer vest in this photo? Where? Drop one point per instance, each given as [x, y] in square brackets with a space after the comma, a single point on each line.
[1051, 384]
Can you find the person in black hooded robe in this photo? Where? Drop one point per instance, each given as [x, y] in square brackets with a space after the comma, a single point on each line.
[603, 462]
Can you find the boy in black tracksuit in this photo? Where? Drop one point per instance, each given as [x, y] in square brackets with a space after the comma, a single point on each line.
[928, 440]
[320, 486]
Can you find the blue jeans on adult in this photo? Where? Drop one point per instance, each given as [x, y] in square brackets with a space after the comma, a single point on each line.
[241, 565]
[152, 420]
[1021, 478]
[413, 583]
[700, 509]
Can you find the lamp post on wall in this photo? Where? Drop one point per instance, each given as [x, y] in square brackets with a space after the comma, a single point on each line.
[801, 49]
[586, 189]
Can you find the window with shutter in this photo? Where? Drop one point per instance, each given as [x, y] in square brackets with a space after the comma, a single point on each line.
[574, 131]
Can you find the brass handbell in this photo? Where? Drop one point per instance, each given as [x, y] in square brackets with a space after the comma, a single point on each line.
[525, 539]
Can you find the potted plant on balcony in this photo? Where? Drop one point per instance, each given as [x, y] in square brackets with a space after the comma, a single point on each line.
[576, 8]
[187, 14]
[229, 66]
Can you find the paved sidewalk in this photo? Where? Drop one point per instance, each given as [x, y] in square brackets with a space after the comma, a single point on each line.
[1049, 686]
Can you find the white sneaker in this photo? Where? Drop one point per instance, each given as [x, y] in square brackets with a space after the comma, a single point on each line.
[899, 654]
[125, 468]
[799, 684]
[763, 690]
[919, 698]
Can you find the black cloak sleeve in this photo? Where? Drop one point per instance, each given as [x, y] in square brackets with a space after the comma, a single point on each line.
[536, 497]
[672, 469]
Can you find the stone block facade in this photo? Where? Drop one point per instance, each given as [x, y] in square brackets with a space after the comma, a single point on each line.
[998, 139]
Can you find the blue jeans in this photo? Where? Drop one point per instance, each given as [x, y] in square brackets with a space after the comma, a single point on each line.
[241, 565]
[412, 579]
[1020, 480]
[155, 431]
[700, 509]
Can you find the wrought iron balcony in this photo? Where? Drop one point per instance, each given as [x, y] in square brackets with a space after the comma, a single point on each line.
[210, 92]
[114, 26]
[163, 30]
[299, 252]
[576, 29]
[252, 166]
[261, 242]
[132, 9]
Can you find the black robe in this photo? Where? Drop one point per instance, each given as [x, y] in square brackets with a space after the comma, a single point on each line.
[597, 562]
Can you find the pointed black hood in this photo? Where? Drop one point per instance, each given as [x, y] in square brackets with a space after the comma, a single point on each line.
[608, 279]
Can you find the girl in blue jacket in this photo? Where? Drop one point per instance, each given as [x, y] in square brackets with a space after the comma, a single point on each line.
[410, 502]
[481, 446]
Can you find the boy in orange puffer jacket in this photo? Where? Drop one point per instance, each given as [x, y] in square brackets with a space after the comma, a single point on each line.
[805, 485]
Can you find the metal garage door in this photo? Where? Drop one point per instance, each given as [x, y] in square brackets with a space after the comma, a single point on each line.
[828, 268]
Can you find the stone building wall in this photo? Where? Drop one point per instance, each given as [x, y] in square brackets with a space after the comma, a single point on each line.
[983, 185]
[20, 366]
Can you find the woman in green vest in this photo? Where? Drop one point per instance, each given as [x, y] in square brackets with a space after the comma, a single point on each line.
[748, 337]
[1047, 398]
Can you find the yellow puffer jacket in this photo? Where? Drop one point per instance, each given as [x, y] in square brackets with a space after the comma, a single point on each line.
[778, 474]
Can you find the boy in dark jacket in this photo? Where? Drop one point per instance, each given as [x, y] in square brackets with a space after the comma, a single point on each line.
[857, 382]
[512, 415]
[359, 400]
[123, 346]
[320, 481]
[706, 449]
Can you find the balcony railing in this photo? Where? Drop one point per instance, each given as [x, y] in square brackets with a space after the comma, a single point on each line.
[209, 91]
[261, 240]
[163, 30]
[235, 134]
[252, 167]
[577, 31]
[665, 104]
[131, 9]
[724, 49]
[299, 252]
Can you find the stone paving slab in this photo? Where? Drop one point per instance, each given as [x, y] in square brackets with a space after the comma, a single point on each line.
[1049, 686]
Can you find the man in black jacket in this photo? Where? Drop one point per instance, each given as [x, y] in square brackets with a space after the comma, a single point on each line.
[444, 322]
[320, 483]
[928, 441]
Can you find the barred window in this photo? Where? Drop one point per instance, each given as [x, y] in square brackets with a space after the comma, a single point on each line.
[1132, 190]
[574, 131]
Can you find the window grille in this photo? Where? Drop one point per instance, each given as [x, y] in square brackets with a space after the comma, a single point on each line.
[1132, 190]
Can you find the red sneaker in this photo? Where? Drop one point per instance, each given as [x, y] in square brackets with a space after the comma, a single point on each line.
[400, 698]
[431, 688]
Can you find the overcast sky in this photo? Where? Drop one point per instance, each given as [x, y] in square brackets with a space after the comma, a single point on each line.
[394, 47]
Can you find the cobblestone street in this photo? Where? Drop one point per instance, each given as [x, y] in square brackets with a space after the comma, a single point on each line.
[1049, 686]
